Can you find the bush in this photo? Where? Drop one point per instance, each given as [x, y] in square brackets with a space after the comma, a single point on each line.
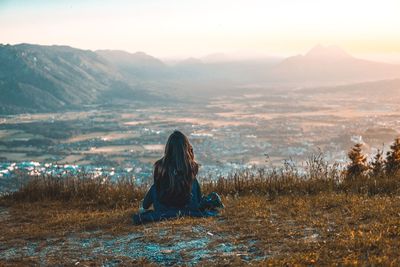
[358, 165]
[392, 163]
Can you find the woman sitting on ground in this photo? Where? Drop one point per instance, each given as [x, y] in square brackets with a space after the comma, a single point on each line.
[176, 191]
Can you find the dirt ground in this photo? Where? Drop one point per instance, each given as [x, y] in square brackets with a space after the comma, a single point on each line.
[325, 229]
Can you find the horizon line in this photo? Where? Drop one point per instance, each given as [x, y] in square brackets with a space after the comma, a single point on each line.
[257, 55]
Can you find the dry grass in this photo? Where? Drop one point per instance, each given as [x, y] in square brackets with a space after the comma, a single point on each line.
[100, 192]
[276, 217]
[322, 229]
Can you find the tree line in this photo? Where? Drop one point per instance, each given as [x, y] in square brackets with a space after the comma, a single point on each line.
[380, 165]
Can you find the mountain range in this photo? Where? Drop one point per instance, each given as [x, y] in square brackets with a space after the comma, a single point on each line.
[36, 78]
[135, 67]
[331, 64]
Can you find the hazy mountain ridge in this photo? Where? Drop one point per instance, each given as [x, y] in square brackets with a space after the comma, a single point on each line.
[135, 67]
[35, 78]
[331, 64]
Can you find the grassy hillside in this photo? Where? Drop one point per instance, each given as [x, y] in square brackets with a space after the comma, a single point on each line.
[277, 217]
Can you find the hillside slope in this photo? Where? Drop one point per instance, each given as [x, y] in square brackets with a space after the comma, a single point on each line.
[36, 78]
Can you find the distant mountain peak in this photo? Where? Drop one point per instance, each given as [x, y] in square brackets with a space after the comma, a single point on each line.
[320, 51]
[215, 57]
[137, 58]
[140, 53]
[331, 64]
[191, 61]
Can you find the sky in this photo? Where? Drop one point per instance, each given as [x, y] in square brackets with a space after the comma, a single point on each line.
[173, 28]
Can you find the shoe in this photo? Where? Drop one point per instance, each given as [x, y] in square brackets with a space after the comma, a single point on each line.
[212, 202]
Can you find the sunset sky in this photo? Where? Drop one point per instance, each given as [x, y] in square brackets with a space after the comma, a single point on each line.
[173, 28]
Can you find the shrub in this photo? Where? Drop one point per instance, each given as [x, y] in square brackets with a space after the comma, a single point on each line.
[358, 164]
[392, 163]
[377, 165]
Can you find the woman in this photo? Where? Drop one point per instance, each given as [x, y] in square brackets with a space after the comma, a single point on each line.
[176, 190]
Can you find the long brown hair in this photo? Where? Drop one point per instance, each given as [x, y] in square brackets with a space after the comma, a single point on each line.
[175, 172]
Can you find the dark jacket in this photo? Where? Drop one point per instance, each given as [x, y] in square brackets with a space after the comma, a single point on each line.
[151, 198]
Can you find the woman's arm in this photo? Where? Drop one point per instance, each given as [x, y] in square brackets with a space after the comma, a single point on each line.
[197, 190]
[148, 198]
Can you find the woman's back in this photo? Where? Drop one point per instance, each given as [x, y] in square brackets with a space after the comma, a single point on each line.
[175, 172]
[175, 191]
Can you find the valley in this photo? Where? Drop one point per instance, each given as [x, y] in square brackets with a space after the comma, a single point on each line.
[258, 127]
